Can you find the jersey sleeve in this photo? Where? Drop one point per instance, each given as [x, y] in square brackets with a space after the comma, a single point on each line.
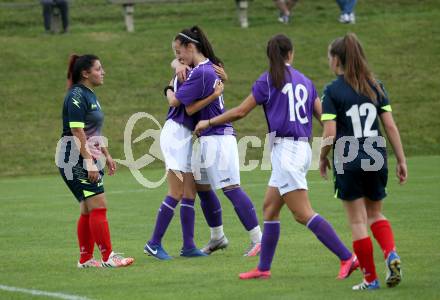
[384, 102]
[261, 89]
[328, 106]
[192, 89]
[76, 110]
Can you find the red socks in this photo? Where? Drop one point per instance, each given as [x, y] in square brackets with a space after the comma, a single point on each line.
[85, 239]
[364, 252]
[100, 231]
[383, 234]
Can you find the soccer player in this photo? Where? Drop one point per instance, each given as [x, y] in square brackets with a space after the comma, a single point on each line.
[289, 99]
[218, 145]
[351, 106]
[82, 123]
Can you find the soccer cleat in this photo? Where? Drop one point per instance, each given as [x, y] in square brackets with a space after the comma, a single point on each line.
[91, 263]
[214, 245]
[374, 285]
[347, 267]
[193, 252]
[394, 273]
[115, 260]
[156, 251]
[255, 274]
[253, 250]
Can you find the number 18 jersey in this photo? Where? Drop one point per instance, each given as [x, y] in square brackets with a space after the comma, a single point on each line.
[288, 110]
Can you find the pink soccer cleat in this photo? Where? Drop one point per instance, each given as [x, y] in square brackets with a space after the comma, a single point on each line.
[116, 261]
[255, 274]
[347, 267]
[253, 250]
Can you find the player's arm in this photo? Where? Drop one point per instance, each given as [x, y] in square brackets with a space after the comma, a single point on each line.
[328, 137]
[198, 105]
[231, 115]
[317, 110]
[81, 143]
[111, 165]
[171, 95]
[394, 137]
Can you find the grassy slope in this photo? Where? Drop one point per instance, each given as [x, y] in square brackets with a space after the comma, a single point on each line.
[401, 39]
[37, 232]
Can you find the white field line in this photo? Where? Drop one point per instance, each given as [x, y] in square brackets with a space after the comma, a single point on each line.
[41, 293]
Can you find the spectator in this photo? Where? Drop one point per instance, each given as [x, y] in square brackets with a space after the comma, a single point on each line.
[285, 7]
[48, 6]
[347, 11]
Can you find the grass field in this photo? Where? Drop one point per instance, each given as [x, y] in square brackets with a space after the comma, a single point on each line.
[401, 38]
[38, 244]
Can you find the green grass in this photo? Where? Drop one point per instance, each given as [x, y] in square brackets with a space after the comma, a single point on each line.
[401, 39]
[39, 250]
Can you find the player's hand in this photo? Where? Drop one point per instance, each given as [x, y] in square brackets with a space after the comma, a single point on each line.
[92, 171]
[220, 72]
[402, 172]
[202, 125]
[324, 165]
[219, 87]
[111, 165]
[181, 72]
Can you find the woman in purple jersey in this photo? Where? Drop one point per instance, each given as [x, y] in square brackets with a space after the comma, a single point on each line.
[215, 165]
[357, 93]
[289, 99]
[176, 146]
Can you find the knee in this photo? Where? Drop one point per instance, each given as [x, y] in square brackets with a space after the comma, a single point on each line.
[176, 195]
[270, 213]
[301, 218]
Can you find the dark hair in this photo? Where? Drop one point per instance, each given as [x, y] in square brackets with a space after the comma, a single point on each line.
[76, 65]
[277, 51]
[356, 71]
[195, 35]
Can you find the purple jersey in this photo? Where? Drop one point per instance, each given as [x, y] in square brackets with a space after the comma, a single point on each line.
[199, 85]
[289, 110]
[178, 113]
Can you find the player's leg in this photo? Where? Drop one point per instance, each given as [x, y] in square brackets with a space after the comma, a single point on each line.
[97, 206]
[299, 204]
[165, 214]
[187, 217]
[212, 212]
[85, 239]
[362, 245]
[271, 233]
[383, 233]
[245, 210]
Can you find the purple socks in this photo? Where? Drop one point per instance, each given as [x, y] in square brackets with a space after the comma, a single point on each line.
[164, 216]
[187, 219]
[271, 235]
[243, 207]
[327, 235]
[211, 207]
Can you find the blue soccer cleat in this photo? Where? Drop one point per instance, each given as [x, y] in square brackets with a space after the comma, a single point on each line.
[193, 252]
[394, 273]
[374, 285]
[156, 251]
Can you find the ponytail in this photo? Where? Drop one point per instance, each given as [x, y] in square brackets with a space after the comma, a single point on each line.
[76, 65]
[72, 60]
[356, 71]
[196, 36]
[277, 51]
